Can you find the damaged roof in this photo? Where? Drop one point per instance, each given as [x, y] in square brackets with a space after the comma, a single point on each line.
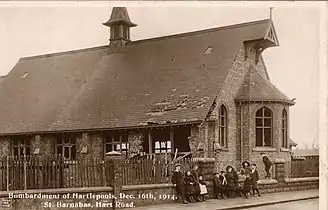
[257, 88]
[161, 80]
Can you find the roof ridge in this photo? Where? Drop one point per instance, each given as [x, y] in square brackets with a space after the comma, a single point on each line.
[64, 52]
[149, 39]
[191, 33]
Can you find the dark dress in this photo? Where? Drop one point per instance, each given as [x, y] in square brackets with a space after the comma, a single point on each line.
[195, 175]
[231, 181]
[218, 188]
[247, 185]
[255, 177]
[177, 178]
[190, 185]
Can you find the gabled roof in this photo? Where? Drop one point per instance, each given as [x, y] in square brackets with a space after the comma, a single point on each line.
[257, 88]
[159, 80]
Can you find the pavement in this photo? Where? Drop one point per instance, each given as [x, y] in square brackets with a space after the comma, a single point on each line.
[240, 203]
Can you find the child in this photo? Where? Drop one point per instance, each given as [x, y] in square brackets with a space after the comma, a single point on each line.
[231, 182]
[203, 189]
[224, 183]
[247, 185]
[194, 173]
[242, 178]
[190, 186]
[178, 181]
[255, 179]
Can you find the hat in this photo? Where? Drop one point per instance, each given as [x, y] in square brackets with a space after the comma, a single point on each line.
[222, 172]
[229, 167]
[215, 173]
[176, 165]
[246, 162]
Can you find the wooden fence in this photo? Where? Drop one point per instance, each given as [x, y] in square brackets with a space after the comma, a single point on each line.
[151, 169]
[302, 168]
[35, 172]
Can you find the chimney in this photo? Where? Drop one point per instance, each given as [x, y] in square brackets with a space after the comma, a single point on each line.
[120, 25]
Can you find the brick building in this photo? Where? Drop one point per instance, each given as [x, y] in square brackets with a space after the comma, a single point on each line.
[206, 92]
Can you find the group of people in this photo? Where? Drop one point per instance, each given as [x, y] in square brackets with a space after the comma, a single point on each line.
[230, 183]
[192, 188]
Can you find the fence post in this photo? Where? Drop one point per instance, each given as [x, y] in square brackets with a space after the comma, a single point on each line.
[8, 173]
[115, 173]
[280, 170]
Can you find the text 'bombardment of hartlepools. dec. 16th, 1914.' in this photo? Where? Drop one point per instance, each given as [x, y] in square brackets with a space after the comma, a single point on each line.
[88, 200]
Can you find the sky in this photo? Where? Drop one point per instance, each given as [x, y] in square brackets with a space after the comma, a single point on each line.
[293, 66]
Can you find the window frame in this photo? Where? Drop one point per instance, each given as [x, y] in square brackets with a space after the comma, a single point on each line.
[68, 142]
[263, 127]
[284, 128]
[116, 140]
[223, 126]
[26, 146]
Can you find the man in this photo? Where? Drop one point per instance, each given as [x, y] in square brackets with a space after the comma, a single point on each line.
[267, 164]
[179, 183]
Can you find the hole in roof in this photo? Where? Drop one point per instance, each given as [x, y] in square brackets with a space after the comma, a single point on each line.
[208, 50]
[25, 75]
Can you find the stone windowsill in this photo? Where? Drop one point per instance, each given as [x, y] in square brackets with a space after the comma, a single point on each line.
[267, 181]
[264, 149]
[284, 149]
[304, 179]
[58, 190]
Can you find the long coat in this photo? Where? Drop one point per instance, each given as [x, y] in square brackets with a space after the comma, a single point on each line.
[231, 181]
[247, 185]
[195, 175]
[255, 177]
[177, 178]
[190, 185]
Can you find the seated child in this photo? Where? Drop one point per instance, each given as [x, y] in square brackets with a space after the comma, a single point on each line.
[202, 186]
[190, 186]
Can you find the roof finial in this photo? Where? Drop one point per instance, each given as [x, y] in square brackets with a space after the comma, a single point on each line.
[271, 8]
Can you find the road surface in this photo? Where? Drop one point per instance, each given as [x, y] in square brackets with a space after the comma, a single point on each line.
[312, 204]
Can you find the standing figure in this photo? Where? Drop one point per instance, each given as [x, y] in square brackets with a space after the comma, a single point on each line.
[255, 178]
[194, 173]
[190, 186]
[203, 189]
[267, 163]
[247, 185]
[179, 183]
[241, 179]
[231, 182]
[246, 166]
[218, 188]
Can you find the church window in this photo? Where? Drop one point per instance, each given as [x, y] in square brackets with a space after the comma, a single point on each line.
[284, 130]
[263, 127]
[223, 126]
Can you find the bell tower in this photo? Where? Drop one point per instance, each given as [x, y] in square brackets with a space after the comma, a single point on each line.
[120, 25]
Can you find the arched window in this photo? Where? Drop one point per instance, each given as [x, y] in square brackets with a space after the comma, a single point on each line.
[284, 130]
[264, 127]
[223, 126]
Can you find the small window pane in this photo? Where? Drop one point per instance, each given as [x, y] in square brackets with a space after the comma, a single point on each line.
[157, 151]
[73, 152]
[27, 151]
[162, 144]
[267, 112]
[118, 147]
[267, 122]
[259, 122]
[66, 152]
[259, 137]
[108, 148]
[59, 150]
[267, 136]
[259, 113]
[168, 144]
[157, 145]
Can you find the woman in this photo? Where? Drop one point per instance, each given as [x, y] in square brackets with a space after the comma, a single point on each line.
[190, 186]
[247, 167]
[231, 182]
